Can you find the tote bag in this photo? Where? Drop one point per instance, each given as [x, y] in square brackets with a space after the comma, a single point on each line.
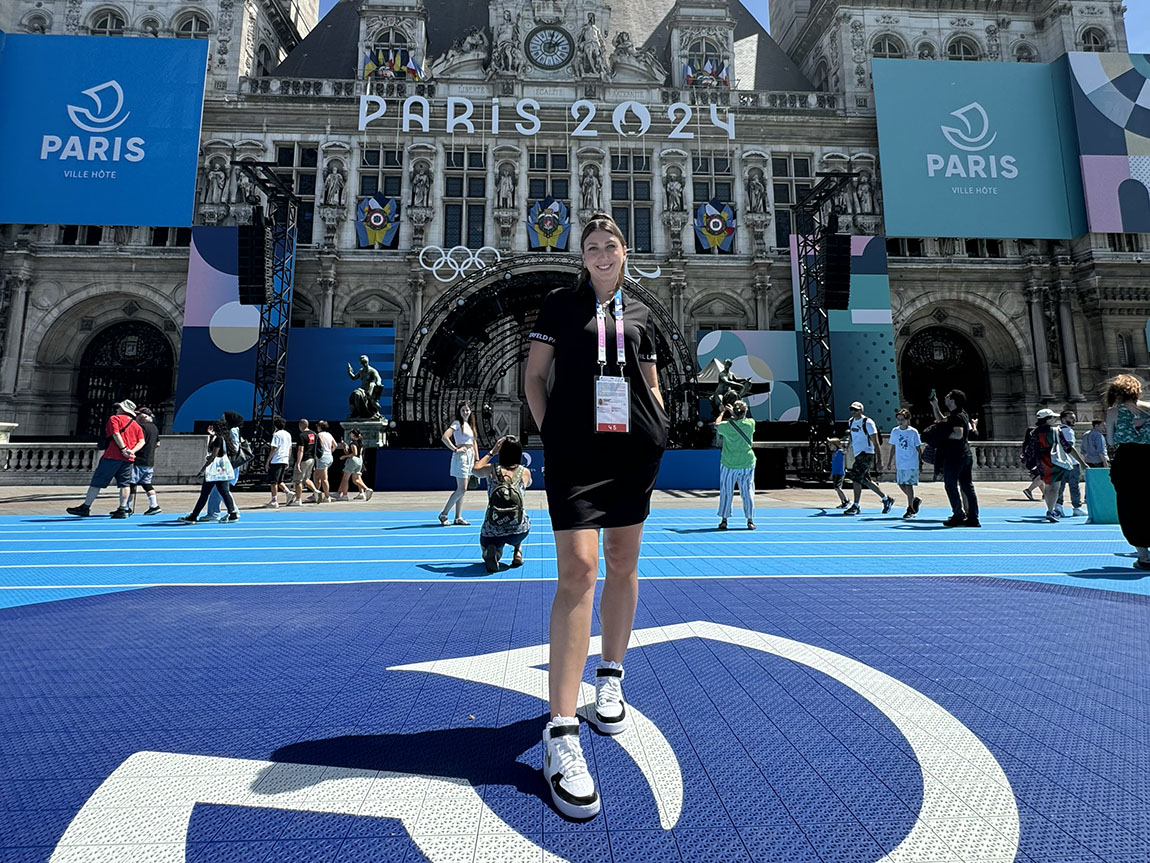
[218, 469]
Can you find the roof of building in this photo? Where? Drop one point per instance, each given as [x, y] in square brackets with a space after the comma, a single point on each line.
[331, 49]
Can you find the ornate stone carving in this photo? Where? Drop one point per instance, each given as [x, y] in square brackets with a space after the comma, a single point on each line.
[757, 201]
[335, 185]
[591, 50]
[421, 185]
[864, 193]
[73, 15]
[888, 19]
[215, 182]
[505, 186]
[224, 36]
[926, 51]
[858, 41]
[377, 25]
[507, 48]
[993, 50]
[506, 218]
[590, 186]
[673, 187]
[547, 11]
[961, 22]
[675, 221]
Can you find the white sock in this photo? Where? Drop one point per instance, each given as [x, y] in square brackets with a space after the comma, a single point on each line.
[605, 664]
[151, 498]
[562, 720]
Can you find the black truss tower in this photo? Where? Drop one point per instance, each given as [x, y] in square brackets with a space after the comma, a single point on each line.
[281, 226]
[815, 218]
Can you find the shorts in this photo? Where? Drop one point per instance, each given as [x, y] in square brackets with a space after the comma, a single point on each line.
[860, 470]
[276, 473]
[303, 472]
[353, 465]
[324, 462]
[462, 463]
[110, 469]
[837, 479]
[906, 476]
[142, 475]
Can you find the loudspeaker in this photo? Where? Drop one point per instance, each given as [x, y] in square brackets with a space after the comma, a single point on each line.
[837, 271]
[253, 261]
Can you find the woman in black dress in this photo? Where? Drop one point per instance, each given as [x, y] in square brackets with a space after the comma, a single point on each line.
[600, 468]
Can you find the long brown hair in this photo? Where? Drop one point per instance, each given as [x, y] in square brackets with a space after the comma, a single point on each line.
[602, 222]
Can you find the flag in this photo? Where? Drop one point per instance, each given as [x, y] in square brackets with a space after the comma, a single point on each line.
[413, 69]
[725, 73]
[377, 222]
[715, 225]
[688, 73]
[548, 225]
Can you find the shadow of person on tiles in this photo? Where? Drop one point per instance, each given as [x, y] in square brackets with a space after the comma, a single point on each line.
[694, 530]
[477, 755]
[1117, 573]
[414, 526]
[457, 570]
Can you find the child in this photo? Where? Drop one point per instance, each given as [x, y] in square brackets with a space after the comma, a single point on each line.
[838, 469]
[907, 446]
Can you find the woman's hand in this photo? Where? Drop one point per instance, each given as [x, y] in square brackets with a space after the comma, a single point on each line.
[461, 448]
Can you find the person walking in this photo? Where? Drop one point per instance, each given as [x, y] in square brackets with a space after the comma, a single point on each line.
[506, 521]
[122, 438]
[604, 428]
[1067, 419]
[867, 448]
[215, 499]
[1094, 445]
[736, 461]
[1028, 455]
[1128, 429]
[838, 470]
[460, 439]
[958, 461]
[906, 449]
[279, 457]
[325, 458]
[352, 456]
[143, 467]
[223, 450]
[1053, 462]
[304, 463]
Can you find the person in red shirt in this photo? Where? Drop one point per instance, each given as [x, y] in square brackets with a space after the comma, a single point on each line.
[123, 438]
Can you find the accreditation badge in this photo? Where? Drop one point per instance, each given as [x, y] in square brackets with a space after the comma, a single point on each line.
[612, 404]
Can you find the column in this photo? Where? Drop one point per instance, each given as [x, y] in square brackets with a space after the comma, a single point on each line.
[744, 238]
[658, 235]
[18, 285]
[326, 290]
[1069, 345]
[1038, 336]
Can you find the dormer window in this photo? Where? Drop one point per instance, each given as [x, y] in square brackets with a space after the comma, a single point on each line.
[1094, 40]
[704, 66]
[390, 57]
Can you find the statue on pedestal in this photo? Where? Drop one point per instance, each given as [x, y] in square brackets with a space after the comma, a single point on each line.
[363, 403]
[729, 389]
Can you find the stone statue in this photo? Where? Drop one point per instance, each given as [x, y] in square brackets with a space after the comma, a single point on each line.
[363, 403]
[926, 51]
[505, 54]
[946, 246]
[217, 180]
[334, 184]
[864, 193]
[756, 192]
[730, 387]
[592, 49]
[674, 187]
[243, 187]
[505, 189]
[590, 187]
[421, 186]
[623, 44]
[475, 40]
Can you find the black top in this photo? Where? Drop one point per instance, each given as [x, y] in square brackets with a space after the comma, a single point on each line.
[958, 419]
[307, 442]
[567, 323]
[146, 455]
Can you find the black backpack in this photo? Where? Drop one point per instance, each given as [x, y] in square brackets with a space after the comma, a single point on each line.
[505, 503]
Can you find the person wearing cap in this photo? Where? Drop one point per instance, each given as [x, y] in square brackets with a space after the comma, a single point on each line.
[122, 438]
[1054, 464]
[143, 467]
[1067, 419]
[867, 450]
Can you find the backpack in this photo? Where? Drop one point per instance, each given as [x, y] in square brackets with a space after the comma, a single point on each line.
[1029, 456]
[505, 503]
[246, 453]
[865, 419]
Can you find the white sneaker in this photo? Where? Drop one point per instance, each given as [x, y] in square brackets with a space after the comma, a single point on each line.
[610, 709]
[271, 504]
[360, 496]
[565, 770]
[293, 502]
[369, 492]
[1060, 511]
[1079, 511]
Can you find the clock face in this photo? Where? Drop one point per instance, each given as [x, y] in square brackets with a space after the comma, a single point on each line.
[550, 47]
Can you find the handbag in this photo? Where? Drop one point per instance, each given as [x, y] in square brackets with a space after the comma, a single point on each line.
[218, 469]
[472, 482]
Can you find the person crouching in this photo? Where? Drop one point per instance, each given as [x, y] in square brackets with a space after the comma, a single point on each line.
[506, 521]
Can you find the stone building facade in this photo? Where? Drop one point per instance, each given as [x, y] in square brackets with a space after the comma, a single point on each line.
[88, 311]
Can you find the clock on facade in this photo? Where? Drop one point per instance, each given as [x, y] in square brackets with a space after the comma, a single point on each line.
[550, 47]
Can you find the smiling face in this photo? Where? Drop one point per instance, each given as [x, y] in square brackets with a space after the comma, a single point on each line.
[604, 256]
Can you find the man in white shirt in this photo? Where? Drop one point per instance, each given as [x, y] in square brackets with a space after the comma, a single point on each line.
[906, 446]
[865, 444]
[279, 457]
[1066, 430]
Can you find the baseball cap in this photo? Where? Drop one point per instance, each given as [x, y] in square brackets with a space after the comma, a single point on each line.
[127, 406]
[1045, 413]
[856, 406]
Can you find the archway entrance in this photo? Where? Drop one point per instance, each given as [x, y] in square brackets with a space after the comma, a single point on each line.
[132, 360]
[472, 346]
[943, 359]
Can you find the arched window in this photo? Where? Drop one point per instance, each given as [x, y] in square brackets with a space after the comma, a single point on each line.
[822, 76]
[150, 27]
[704, 50]
[888, 46]
[264, 61]
[962, 48]
[194, 26]
[1024, 54]
[389, 55]
[1093, 39]
[1125, 350]
[108, 23]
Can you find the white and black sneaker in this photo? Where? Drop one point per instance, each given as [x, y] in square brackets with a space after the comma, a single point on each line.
[610, 709]
[565, 770]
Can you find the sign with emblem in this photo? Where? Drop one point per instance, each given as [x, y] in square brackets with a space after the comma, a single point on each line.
[548, 225]
[715, 226]
[377, 222]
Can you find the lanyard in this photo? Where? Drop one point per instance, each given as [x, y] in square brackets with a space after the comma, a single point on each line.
[601, 324]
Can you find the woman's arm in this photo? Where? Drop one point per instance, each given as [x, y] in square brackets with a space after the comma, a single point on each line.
[526, 478]
[448, 438]
[651, 376]
[539, 361]
[1111, 424]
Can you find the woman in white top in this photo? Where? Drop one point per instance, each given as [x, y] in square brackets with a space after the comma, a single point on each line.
[324, 456]
[460, 439]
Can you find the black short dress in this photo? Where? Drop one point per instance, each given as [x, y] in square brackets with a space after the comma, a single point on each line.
[595, 479]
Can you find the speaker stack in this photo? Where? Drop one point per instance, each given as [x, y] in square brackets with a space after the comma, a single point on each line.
[254, 251]
[837, 271]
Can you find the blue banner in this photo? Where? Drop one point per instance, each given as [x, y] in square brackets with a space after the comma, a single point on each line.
[977, 150]
[100, 130]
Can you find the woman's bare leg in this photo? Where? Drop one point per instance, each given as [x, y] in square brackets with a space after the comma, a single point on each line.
[578, 557]
[620, 589]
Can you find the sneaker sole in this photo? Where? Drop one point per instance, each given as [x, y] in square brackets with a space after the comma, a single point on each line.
[610, 728]
[573, 811]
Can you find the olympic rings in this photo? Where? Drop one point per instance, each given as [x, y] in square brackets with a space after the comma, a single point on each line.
[458, 259]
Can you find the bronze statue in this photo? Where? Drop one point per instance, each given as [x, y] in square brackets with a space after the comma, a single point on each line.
[729, 389]
[363, 403]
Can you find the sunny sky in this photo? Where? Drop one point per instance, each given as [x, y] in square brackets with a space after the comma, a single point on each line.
[1137, 20]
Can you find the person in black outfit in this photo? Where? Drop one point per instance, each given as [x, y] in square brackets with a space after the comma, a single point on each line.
[958, 461]
[143, 467]
[599, 476]
[220, 444]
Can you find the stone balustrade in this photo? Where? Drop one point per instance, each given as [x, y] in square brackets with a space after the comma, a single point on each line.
[994, 461]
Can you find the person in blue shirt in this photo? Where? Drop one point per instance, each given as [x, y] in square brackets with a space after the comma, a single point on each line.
[838, 469]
